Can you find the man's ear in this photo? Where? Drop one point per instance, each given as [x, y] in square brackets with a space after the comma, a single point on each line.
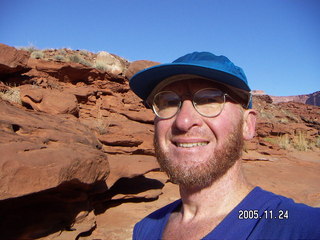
[249, 124]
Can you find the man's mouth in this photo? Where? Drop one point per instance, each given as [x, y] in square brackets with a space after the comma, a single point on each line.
[190, 145]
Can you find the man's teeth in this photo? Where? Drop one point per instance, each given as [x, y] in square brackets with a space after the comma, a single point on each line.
[189, 145]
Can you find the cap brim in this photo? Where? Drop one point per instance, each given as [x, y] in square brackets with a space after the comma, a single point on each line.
[143, 82]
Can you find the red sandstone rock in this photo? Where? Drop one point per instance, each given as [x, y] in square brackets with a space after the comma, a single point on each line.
[64, 72]
[138, 165]
[143, 116]
[137, 66]
[49, 100]
[3, 87]
[12, 60]
[41, 151]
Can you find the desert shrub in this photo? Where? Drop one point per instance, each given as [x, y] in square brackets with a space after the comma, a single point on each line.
[298, 141]
[62, 52]
[84, 53]
[283, 120]
[59, 58]
[11, 95]
[101, 124]
[78, 59]
[317, 143]
[284, 141]
[74, 58]
[35, 84]
[37, 54]
[290, 117]
[30, 49]
[266, 115]
[86, 63]
[271, 140]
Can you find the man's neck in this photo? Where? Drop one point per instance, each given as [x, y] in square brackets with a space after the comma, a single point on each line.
[216, 200]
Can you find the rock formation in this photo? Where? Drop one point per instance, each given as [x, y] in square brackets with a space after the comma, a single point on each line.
[311, 99]
[76, 147]
[55, 167]
[12, 61]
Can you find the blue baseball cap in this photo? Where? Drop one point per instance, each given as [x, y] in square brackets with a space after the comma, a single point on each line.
[206, 65]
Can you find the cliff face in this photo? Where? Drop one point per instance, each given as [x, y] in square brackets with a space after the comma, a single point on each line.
[69, 133]
[76, 147]
[314, 99]
[311, 99]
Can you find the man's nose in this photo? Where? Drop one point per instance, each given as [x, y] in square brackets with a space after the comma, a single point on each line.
[187, 117]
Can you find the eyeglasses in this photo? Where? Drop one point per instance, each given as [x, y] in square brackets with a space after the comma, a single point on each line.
[208, 102]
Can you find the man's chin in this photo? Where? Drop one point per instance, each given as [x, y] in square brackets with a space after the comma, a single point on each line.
[199, 175]
[189, 160]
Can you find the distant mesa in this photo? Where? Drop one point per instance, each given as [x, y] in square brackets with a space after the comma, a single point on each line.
[258, 92]
[311, 99]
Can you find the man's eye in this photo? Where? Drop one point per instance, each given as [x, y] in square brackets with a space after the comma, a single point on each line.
[207, 100]
[172, 103]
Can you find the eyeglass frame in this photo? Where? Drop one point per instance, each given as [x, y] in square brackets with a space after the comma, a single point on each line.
[224, 95]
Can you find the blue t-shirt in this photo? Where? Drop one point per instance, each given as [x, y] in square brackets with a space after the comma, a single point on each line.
[260, 215]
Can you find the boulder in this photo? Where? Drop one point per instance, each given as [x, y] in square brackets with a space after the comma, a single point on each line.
[107, 62]
[62, 71]
[13, 60]
[137, 66]
[50, 165]
[41, 151]
[50, 101]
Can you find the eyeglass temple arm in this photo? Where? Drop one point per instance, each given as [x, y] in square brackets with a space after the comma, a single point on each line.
[247, 105]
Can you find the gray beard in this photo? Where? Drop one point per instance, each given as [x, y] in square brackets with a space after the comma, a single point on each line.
[203, 175]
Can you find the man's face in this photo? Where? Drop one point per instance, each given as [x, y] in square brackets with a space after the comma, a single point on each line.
[195, 150]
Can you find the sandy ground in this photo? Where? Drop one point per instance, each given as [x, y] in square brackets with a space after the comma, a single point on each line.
[296, 175]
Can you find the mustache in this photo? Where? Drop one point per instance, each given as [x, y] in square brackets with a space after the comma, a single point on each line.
[195, 132]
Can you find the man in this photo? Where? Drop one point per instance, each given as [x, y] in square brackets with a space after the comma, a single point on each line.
[202, 104]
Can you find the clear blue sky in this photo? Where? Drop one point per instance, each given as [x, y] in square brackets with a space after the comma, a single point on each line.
[276, 42]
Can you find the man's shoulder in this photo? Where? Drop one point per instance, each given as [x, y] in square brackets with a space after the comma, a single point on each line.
[266, 215]
[164, 211]
[281, 216]
[153, 224]
[297, 214]
[279, 202]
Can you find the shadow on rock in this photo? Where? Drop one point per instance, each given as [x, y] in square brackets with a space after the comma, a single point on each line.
[137, 189]
[46, 212]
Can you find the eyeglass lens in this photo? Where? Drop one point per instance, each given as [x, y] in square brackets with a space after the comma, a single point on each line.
[208, 102]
